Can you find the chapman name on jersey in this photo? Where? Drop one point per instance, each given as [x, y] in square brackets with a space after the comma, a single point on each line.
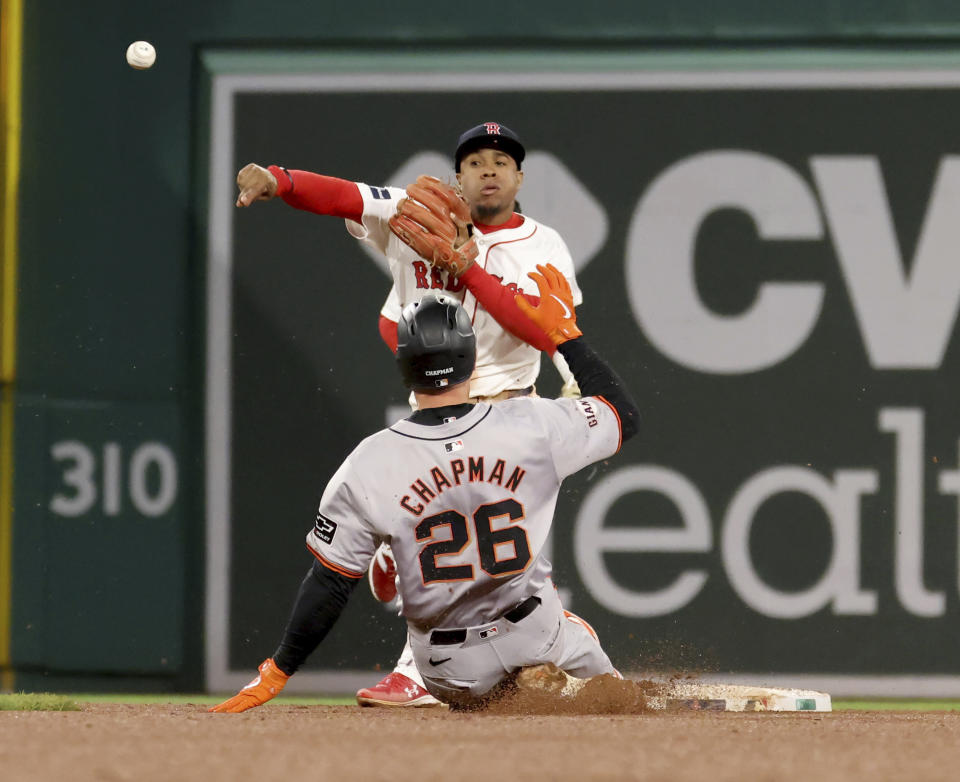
[430, 486]
[503, 361]
[405, 486]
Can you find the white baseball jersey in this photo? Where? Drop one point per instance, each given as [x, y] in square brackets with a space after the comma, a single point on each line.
[466, 505]
[503, 361]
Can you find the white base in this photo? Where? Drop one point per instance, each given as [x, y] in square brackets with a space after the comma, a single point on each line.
[700, 696]
[697, 696]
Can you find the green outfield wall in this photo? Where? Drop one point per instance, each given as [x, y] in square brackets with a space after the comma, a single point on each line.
[760, 208]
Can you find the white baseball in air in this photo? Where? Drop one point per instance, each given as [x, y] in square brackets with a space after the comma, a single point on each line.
[141, 55]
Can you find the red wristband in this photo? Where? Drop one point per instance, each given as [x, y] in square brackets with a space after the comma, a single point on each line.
[284, 180]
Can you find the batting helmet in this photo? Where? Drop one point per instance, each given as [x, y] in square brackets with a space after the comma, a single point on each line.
[436, 346]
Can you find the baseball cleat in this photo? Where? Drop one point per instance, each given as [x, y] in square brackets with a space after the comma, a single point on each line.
[396, 691]
[382, 574]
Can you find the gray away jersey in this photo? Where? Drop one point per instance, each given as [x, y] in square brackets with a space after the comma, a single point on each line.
[466, 505]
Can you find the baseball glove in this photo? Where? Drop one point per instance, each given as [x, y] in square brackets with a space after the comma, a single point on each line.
[435, 221]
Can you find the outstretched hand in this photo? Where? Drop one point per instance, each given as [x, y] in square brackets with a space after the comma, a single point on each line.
[554, 313]
[256, 183]
[265, 687]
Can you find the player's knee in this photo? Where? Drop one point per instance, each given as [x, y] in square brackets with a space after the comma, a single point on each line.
[459, 693]
[571, 617]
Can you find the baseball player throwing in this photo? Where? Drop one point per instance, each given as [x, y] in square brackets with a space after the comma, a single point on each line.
[465, 494]
[507, 246]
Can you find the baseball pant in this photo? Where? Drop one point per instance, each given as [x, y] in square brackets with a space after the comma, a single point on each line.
[460, 665]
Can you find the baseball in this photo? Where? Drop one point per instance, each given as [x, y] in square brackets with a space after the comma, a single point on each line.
[141, 55]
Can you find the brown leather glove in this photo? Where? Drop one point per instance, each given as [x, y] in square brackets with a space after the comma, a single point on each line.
[265, 687]
[435, 221]
[554, 313]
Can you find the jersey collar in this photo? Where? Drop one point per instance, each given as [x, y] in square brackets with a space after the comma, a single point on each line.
[436, 416]
[515, 221]
[442, 431]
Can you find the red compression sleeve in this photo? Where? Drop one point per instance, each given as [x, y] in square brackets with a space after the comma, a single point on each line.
[388, 332]
[498, 300]
[322, 195]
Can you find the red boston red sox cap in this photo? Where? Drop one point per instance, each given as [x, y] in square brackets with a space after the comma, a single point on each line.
[489, 135]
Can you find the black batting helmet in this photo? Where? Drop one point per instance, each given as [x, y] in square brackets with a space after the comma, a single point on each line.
[436, 346]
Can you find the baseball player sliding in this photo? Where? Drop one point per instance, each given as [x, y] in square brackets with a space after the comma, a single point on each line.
[465, 495]
[505, 247]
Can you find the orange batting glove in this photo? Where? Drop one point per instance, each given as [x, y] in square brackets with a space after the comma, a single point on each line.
[265, 687]
[554, 314]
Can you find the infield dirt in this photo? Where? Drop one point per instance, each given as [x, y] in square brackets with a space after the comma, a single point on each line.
[184, 743]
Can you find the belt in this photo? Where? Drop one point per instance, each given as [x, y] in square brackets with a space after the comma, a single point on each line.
[516, 614]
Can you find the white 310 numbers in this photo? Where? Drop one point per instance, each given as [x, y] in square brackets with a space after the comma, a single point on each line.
[80, 474]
